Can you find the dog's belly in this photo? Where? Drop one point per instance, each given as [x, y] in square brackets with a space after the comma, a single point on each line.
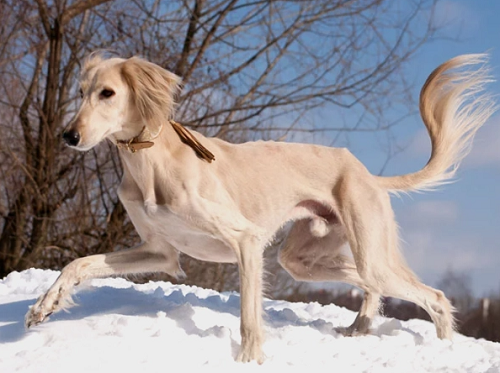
[163, 225]
[203, 247]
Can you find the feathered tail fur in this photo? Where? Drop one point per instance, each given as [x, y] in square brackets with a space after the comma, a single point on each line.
[453, 107]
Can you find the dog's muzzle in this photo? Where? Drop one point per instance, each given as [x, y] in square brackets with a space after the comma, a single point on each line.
[71, 137]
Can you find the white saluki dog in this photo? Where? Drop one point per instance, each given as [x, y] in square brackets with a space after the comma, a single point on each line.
[221, 202]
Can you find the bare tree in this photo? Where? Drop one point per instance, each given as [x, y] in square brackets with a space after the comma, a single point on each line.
[251, 69]
[457, 286]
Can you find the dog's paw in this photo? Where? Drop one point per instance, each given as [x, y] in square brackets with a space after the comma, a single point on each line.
[38, 313]
[246, 357]
[358, 328]
[250, 352]
[54, 300]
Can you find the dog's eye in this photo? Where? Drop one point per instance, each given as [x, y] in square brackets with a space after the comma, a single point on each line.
[81, 93]
[107, 93]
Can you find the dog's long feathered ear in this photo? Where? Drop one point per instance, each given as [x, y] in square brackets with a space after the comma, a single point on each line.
[154, 91]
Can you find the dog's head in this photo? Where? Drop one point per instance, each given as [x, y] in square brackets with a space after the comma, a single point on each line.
[120, 97]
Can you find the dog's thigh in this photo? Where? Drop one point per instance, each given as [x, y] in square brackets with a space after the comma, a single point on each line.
[136, 260]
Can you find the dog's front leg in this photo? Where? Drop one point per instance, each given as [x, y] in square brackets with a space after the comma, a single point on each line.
[247, 241]
[143, 258]
[250, 261]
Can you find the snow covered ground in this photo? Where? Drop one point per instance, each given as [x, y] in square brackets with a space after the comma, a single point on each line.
[118, 326]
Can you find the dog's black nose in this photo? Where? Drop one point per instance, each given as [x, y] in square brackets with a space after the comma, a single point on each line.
[71, 137]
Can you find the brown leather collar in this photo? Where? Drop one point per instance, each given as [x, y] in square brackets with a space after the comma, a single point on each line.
[135, 144]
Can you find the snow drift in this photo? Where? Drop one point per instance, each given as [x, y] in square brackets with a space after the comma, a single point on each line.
[118, 326]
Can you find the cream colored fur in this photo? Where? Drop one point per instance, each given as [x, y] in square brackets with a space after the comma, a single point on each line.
[230, 209]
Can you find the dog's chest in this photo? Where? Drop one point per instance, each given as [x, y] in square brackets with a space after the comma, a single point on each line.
[162, 224]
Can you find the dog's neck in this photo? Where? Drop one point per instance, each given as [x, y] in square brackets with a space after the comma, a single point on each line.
[161, 163]
[145, 139]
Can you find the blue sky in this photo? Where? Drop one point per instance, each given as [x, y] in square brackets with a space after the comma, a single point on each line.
[458, 226]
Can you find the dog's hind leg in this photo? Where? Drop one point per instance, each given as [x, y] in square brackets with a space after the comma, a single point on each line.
[368, 219]
[309, 258]
[369, 308]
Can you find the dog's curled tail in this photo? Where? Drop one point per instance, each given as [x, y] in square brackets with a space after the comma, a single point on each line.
[453, 107]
